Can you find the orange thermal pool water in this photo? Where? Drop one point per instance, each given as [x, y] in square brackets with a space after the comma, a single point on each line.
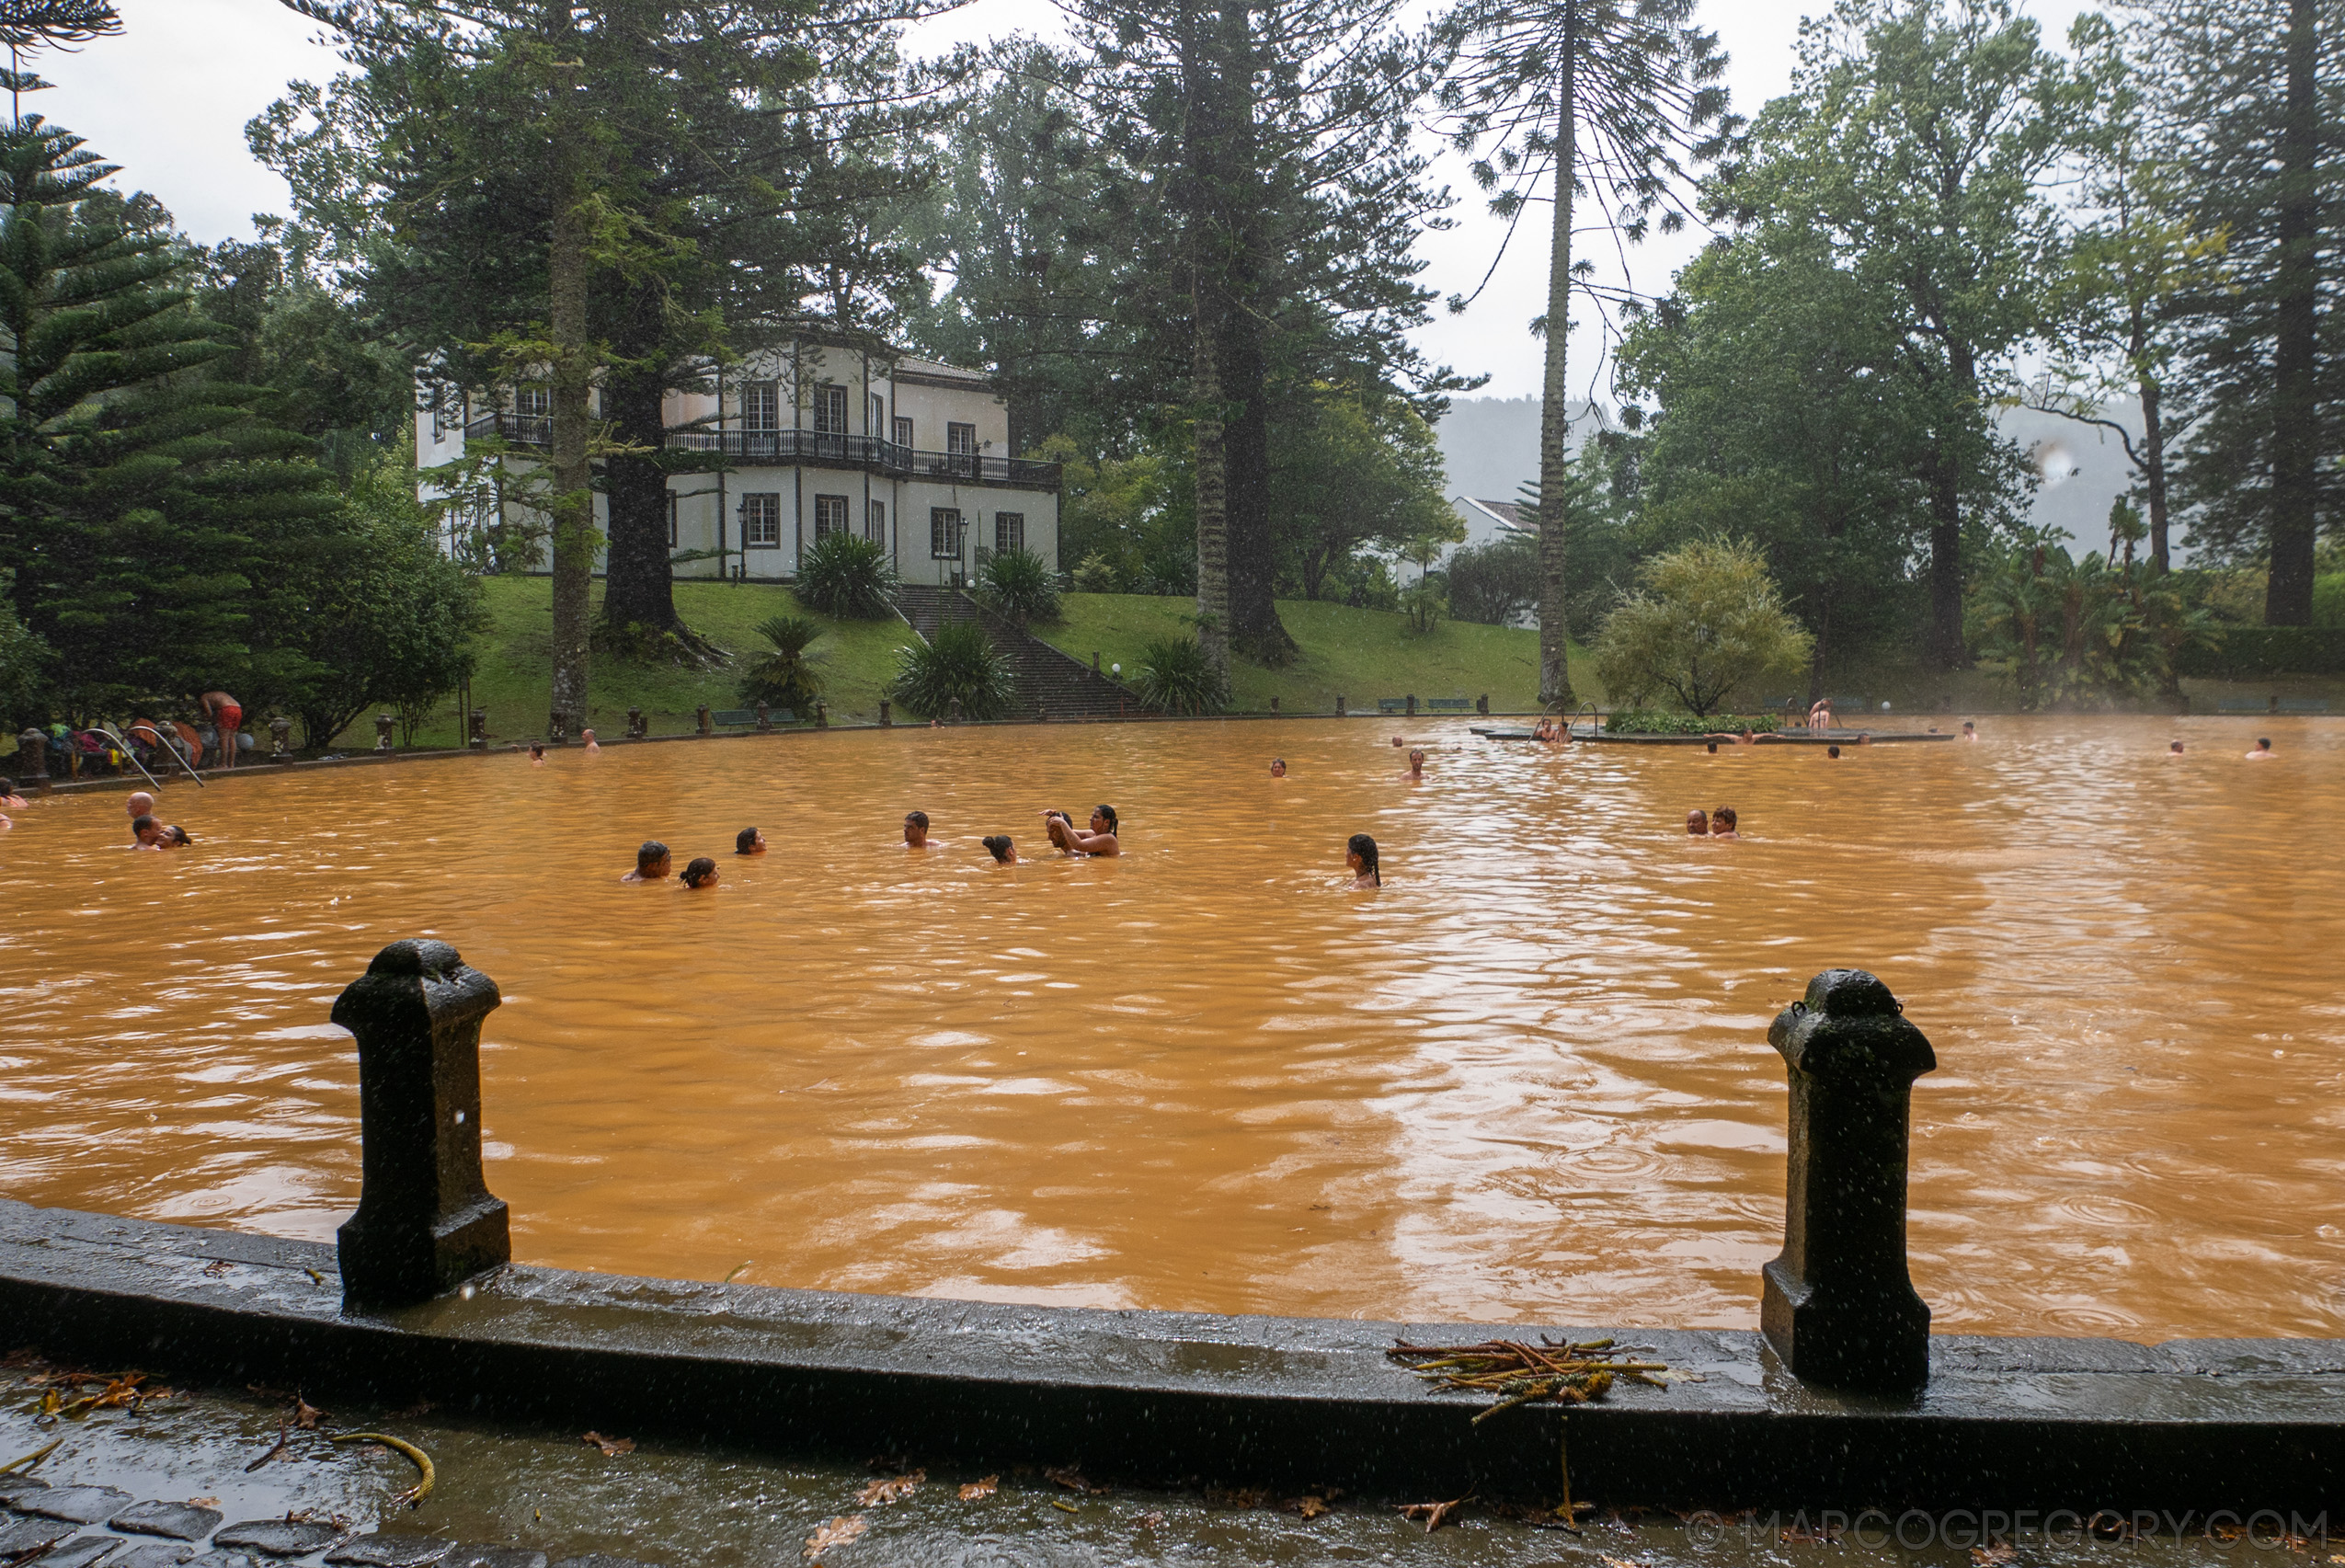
[1529, 1079]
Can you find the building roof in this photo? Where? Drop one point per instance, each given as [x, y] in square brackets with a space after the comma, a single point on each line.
[1506, 514]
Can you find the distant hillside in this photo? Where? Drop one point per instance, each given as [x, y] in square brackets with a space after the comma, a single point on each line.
[1491, 446]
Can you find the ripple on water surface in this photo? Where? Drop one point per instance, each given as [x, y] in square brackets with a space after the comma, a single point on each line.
[1529, 1079]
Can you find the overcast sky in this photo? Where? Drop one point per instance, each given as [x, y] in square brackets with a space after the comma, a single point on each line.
[169, 99]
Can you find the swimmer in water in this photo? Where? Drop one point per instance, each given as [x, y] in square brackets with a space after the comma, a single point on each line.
[702, 872]
[1399, 741]
[749, 841]
[652, 863]
[916, 832]
[998, 846]
[537, 754]
[1417, 768]
[2262, 751]
[1865, 739]
[1740, 736]
[1722, 823]
[2174, 749]
[147, 833]
[9, 798]
[1833, 751]
[592, 743]
[140, 803]
[1359, 858]
[1099, 839]
[1278, 767]
[1970, 730]
[1698, 824]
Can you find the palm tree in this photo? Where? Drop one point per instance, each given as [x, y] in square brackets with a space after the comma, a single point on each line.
[1605, 97]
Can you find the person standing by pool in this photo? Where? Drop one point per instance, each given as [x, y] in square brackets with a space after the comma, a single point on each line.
[1698, 824]
[1722, 823]
[227, 716]
[1820, 715]
[1360, 859]
[998, 846]
[1100, 841]
[2262, 751]
[652, 863]
[749, 841]
[702, 872]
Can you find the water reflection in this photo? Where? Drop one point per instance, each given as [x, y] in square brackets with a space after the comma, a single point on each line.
[1527, 1079]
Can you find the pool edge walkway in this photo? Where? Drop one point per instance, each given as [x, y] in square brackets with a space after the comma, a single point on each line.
[1173, 1397]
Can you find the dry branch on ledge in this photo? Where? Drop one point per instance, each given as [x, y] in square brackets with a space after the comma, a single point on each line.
[1514, 1372]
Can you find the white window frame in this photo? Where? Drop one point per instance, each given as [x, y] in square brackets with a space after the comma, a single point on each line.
[904, 431]
[761, 406]
[875, 412]
[761, 520]
[1009, 531]
[533, 399]
[944, 534]
[875, 522]
[829, 515]
[829, 409]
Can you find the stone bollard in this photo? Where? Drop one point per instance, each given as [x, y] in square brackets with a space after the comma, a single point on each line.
[707, 725]
[638, 727]
[1274, 704]
[1094, 662]
[821, 713]
[280, 739]
[887, 717]
[764, 720]
[476, 734]
[32, 758]
[1482, 705]
[1838, 1305]
[1412, 704]
[426, 1219]
[383, 725]
[956, 710]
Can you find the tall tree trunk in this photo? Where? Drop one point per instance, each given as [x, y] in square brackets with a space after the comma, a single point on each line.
[1942, 480]
[574, 536]
[2153, 472]
[639, 584]
[1555, 405]
[1213, 498]
[1204, 167]
[2296, 426]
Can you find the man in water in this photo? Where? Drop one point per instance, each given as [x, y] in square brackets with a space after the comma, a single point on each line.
[227, 716]
[2262, 751]
[140, 803]
[592, 743]
[1970, 730]
[749, 841]
[1100, 841]
[1831, 752]
[1417, 768]
[1722, 823]
[2174, 749]
[1698, 824]
[147, 833]
[652, 863]
[916, 832]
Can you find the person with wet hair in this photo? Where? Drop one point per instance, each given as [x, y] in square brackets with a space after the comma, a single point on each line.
[1698, 824]
[1417, 768]
[147, 833]
[998, 846]
[1970, 730]
[537, 753]
[9, 798]
[1721, 822]
[1360, 859]
[2174, 749]
[749, 841]
[175, 838]
[652, 863]
[1278, 767]
[1099, 839]
[916, 832]
[2262, 751]
[1833, 752]
[702, 872]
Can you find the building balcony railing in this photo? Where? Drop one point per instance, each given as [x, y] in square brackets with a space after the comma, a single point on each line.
[810, 447]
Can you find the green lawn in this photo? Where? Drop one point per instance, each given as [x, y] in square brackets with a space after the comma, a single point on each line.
[514, 681]
[1361, 654]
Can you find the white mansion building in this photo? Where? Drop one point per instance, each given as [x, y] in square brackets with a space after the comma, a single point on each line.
[813, 438]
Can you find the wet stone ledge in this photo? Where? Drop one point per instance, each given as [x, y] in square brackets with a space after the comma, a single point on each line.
[1168, 1398]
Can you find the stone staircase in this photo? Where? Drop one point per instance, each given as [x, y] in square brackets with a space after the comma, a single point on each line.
[1050, 684]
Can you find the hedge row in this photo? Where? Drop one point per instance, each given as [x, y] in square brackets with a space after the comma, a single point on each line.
[2251, 652]
[1650, 721]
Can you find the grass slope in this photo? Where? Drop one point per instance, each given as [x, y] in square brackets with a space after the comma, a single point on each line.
[514, 681]
[1363, 654]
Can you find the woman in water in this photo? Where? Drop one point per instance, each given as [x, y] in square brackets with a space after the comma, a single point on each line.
[1100, 841]
[8, 795]
[1359, 858]
[1722, 823]
[1278, 767]
[1003, 852]
[702, 872]
[537, 754]
[749, 841]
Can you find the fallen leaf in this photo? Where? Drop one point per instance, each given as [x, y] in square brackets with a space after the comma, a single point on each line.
[1308, 1507]
[984, 1486]
[203, 1502]
[612, 1446]
[305, 1415]
[1062, 1506]
[838, 1532]
[1073, 1480]
[1238, 1496]
[1435, 1514]
[890, 1489]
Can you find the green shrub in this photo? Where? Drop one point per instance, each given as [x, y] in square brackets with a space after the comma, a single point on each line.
[1705, 619]
[1174, 677]
[1097, 574]
[847, 576]
[1019, 585]
[959, 662]
[2252, 653]
[786, 678]
[1649, 721]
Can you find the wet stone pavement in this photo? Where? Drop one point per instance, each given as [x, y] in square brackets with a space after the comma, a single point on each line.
[171, 1479]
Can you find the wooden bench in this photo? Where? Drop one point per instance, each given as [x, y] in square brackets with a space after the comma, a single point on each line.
[746, 718]
[2242, 706]
[1391, 705]
[2300, 705]
[1449, 704]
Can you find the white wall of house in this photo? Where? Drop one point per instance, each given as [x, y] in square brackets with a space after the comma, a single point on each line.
[941, 500]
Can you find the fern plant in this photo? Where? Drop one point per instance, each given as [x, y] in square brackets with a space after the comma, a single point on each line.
[1019, 585]
[958, 662]
[786, 678]
[1174, 676]
[847, 578]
